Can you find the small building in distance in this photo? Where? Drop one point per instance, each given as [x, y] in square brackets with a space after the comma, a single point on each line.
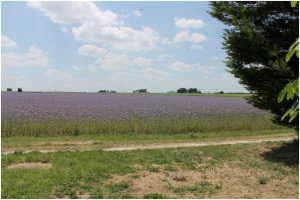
[140, 91]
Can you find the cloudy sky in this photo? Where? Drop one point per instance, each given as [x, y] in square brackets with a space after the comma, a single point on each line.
[122, 46]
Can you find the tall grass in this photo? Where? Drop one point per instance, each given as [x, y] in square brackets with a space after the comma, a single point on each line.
[63, 127]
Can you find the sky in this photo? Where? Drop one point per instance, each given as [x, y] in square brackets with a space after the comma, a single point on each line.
[122, 46]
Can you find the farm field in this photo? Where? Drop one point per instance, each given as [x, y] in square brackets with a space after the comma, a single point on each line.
[59, 114]
[79, 121]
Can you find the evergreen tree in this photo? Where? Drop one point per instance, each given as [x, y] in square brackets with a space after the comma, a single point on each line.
[256, 43]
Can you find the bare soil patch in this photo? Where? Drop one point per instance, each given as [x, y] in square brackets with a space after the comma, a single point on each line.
[30, 165]
[235, 183]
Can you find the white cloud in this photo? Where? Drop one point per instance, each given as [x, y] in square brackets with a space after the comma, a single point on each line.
[207, 70]
[137, 13]
[182, 36]
[64, 29]
[11, 60]
[119, 38]
[7, 43]
[143, 61]
[66, 12]
[34, 53]
[56, 73]
[190, 23]
[166, 41]
[215, 58]
[162, 57]
[92, 50]
[113, 62]
[35, 57]
[180, 66]
[74, 67]
[196, 37]
[97, 25]
[185, 36]
[196, 47]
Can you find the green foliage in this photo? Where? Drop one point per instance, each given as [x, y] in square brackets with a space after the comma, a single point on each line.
[221, 92]
[66, 189]
[96, 194]
[9, 90]
[193, 90]
[182, 90]
[293, 48]
[293, 3]
[256, 46]
[292, 87]
[154, 196]
[200, 188]
[118, 187]
[170, 168]
[262, 180]
[127, 196]
[153, 169]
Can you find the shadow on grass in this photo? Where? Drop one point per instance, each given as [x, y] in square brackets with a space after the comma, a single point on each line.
[287, 154]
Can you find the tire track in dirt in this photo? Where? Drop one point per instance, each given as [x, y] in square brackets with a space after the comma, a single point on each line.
[168, 145]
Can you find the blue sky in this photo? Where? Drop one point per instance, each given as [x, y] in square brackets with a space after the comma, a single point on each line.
[121, 46]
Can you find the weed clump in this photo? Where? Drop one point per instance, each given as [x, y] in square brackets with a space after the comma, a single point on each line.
[262, 180]
[154, 196]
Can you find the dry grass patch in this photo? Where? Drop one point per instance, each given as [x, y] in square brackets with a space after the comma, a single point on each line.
[39, 165]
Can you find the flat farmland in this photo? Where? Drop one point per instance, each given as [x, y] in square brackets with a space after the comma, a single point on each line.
[73, 114]
[61, 145]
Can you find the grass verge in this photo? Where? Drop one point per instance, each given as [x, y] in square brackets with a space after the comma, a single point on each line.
[112, 140]
[262, 170]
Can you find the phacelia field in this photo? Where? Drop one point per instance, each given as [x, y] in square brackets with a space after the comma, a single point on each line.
[54, 114]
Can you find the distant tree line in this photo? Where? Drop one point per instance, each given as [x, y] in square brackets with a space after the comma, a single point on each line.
[191, 90]
[221, 92]
[113, 91]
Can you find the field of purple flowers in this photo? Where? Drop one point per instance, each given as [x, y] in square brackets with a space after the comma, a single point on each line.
[55, 114]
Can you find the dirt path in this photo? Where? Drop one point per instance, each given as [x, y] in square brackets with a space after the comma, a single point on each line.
[88, 145]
